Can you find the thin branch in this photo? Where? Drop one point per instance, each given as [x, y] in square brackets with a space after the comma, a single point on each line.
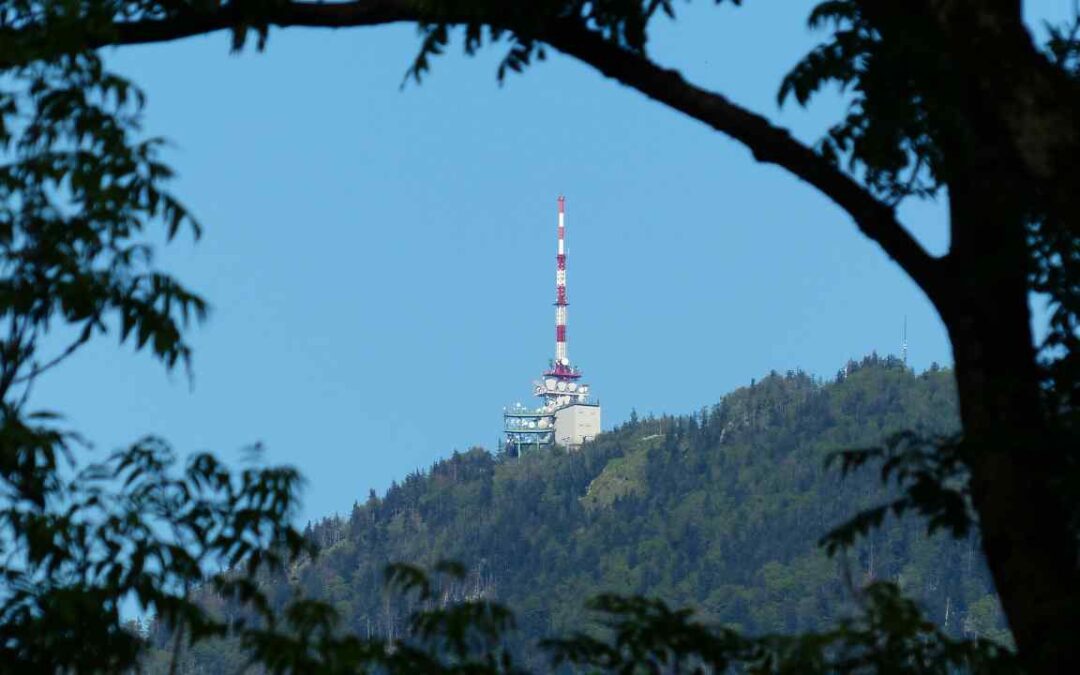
[767, 142]
[174, 661]
[12, 349]
[52, 363]
[912, 181]
[27, 390]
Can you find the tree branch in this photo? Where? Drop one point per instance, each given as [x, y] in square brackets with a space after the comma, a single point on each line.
[190, 23]
[38, 369]
[767, 142]
[310, 14]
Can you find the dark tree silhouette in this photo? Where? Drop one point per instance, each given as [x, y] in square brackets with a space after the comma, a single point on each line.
[949, 96]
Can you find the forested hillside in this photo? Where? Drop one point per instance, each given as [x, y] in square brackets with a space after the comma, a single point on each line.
[720, 510]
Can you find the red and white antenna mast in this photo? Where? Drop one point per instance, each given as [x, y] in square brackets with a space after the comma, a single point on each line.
[566, 415]
[561, 358]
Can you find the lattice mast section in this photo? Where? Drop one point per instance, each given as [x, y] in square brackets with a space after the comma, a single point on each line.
[559, 386]
[561, 356]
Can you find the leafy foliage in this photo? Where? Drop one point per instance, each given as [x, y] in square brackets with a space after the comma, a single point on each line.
[622, 22]
[902, 125]
[1063, 45]
[74, 559]
[631, 635]
[79, 191]
[888, 636]
[931, 474]
[900, 91]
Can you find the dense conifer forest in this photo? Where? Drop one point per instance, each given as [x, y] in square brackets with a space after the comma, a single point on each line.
[721, 511]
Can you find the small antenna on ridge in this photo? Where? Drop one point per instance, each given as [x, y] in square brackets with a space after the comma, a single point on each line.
[903, 344]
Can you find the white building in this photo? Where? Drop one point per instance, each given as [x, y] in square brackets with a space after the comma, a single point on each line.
[576, 424]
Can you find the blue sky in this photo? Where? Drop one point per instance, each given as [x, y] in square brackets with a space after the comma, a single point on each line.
[380, 261]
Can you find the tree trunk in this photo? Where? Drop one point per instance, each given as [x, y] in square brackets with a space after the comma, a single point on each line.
[1015, 459]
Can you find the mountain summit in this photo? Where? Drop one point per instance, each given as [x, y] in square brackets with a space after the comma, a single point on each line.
[720, 510]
